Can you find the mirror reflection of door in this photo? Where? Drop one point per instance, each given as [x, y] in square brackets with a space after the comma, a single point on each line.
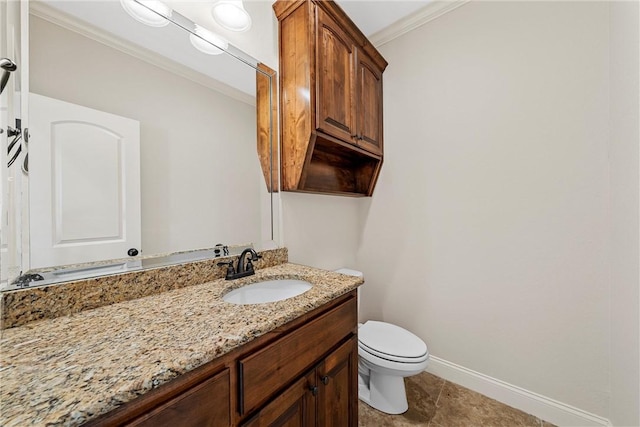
[84, 184]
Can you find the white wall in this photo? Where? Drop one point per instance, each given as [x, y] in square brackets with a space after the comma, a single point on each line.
[625, 297]
[321, 231]
[201, 179]
[488, 232]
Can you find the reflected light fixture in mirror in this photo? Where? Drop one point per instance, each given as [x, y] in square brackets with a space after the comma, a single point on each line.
[150, 12]
[231, 15]
[207, 42]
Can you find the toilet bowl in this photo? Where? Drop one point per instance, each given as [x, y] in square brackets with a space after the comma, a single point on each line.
[386, 355]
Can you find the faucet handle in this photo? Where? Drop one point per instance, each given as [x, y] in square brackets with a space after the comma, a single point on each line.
[254, 255]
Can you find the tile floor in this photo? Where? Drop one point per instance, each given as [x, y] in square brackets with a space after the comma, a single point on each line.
[435, 402]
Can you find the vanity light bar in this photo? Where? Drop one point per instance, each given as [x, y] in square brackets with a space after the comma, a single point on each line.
[157, 14]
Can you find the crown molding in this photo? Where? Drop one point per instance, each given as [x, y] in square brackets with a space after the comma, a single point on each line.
[428, 13]
[61, 19]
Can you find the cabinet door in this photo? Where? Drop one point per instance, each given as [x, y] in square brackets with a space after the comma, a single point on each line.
[369, 105]
[338, 387]
[335, 58]
[295, 407]
[264, 372]
[205, 405]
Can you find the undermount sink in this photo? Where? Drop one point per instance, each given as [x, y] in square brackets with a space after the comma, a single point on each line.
[267, 291]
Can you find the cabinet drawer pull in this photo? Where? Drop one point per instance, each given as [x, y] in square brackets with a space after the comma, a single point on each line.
[314, 390]
[325, 380]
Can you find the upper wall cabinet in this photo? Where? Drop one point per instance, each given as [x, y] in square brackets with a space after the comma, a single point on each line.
[330, 101]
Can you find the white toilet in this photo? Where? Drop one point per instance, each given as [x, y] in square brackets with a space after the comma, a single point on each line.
[387, 354]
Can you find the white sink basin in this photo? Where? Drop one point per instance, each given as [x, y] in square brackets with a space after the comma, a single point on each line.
[267, 291]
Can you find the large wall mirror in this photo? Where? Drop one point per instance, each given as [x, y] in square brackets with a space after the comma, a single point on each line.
[142, 145]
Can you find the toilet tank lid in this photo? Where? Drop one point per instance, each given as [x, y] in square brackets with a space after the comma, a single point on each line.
[349, 272]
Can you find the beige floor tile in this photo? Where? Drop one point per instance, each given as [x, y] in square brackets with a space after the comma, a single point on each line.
[422, 394]
[462, 407]
[433, 402]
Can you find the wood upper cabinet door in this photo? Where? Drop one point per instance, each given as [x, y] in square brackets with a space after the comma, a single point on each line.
[337, 378]
[335, 109]
[294, 407]
[369, 104]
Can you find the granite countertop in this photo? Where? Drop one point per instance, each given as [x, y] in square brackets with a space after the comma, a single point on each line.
[68, 370]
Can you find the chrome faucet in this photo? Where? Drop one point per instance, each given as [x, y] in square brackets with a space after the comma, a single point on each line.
[245, 268]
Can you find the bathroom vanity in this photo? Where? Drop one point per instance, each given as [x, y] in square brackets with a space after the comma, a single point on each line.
[303, 374]
[186, 357]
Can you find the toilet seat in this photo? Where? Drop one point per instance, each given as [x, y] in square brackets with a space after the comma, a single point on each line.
[392, 357]
[391, 367]
[392, 343]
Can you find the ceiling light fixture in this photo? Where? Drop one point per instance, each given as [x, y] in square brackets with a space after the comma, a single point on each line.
[207, 42]
[150, 12]
[231, 15]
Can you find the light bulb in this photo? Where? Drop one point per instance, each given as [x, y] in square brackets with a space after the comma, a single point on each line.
[231, 15]
[207, 42]
[143, 14]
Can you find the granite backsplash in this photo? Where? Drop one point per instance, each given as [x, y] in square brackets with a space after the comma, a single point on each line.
[23, 306]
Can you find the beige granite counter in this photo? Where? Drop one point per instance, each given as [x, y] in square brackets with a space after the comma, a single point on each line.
[26, 305]
[68, 370]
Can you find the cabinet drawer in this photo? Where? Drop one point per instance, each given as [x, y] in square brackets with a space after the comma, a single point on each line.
[292, 408]
[264, 372]
[205, 405]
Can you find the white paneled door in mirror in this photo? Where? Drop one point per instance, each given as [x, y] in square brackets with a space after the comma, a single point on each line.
[84, 184]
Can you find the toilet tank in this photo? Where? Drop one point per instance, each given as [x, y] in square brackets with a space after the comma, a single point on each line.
[356, 273]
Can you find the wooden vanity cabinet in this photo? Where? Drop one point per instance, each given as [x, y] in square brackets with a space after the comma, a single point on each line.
[321, 397]
[337, 382]
[330, 100]
[304, 373]
[294, 407]
[206, 405]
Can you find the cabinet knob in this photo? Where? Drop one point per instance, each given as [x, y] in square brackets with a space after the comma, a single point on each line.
[325, 380]
[314, 390]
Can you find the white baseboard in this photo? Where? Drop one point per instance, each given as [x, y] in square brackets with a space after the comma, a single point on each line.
[532, 403]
